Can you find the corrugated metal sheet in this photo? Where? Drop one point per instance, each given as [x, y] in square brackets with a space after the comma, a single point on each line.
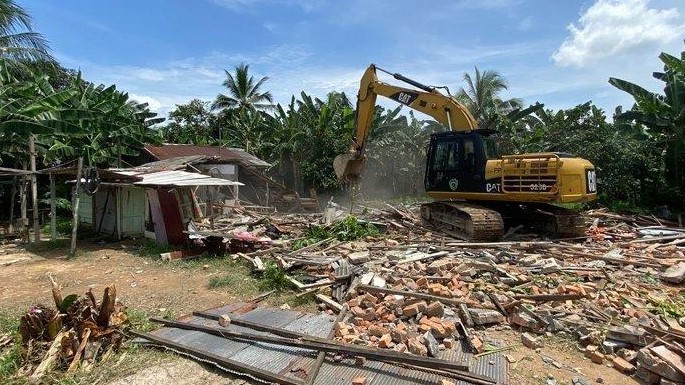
[176, 178]
[288, 360]
[220, 154]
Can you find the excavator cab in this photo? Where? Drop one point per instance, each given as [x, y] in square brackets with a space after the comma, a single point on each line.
[456, 162]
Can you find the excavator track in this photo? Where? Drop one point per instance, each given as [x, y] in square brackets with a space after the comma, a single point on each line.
[486, 222]
[464, 220]
[558, 222]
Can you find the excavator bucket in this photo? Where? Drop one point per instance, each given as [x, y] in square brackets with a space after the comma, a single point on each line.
[348, 167]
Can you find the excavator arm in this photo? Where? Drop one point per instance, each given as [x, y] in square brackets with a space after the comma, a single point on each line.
[445, 109]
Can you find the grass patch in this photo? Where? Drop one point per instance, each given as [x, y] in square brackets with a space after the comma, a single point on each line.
[151, 249]
[139, 320]
[10, 356]
[274, 278]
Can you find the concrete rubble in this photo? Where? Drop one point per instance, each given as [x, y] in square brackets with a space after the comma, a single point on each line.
[617, 292]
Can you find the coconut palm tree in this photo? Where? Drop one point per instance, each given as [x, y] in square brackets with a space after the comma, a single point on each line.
[244, 92]
[19, 44]
[482, 97]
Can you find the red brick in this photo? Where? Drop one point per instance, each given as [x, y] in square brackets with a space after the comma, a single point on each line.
[414, 309]
[398, 336]
[359, 381]
[422, 282]
[417, 348]
[597, 357]
[477, 344]
[436, 309]
[448, 342]
[623, 366]
[376, 331]
[371, 298]
[385, 341]
[357, 311]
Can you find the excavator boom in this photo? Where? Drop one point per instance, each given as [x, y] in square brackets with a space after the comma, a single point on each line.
[445, 109]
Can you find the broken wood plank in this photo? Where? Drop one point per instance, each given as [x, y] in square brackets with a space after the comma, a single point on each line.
[422, 257]
[445, 300]
[550, 297]
[330, 302]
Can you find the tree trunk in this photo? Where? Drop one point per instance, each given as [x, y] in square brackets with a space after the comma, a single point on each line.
[77, 194]
[34, 188]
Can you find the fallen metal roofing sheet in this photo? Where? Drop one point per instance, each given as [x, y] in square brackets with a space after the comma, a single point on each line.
[177, 178]
[295, 362]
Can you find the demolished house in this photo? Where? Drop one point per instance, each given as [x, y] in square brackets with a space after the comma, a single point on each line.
[159, 204]
[259, 190]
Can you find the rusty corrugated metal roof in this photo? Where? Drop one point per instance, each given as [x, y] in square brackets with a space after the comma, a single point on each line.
[220, 154]
[285, 360]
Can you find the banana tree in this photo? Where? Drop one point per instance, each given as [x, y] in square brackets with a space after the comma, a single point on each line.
[663, 115]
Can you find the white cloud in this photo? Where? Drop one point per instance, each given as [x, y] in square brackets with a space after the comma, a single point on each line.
[153, 103]
[247, 5]
[525, 24]
[618, 27]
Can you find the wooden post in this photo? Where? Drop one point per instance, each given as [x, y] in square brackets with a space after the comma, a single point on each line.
[77, 195]
[34, 188]
[119, 211]
[53, 208]
[24, 217]
[12, 196]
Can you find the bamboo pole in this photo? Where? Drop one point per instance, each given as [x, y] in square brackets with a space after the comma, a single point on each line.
[77, 194]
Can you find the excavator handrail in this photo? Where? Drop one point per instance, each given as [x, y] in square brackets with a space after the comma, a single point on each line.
[530, 179]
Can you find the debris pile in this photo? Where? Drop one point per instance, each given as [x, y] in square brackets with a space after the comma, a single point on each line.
[617, 291]
[77, 333]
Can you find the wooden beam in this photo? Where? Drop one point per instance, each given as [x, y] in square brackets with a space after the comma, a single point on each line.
[430, 297]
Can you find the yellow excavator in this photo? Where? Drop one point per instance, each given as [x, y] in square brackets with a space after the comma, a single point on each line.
[477, 191]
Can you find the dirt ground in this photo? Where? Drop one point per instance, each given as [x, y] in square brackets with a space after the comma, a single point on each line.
[148, 285]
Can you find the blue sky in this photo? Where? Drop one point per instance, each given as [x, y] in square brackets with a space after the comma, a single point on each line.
[558, 52]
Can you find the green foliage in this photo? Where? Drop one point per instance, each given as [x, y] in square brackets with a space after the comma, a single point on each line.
[661, 117]
[347, 229]
[274, 278]
[63, 226]
[667, 306]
